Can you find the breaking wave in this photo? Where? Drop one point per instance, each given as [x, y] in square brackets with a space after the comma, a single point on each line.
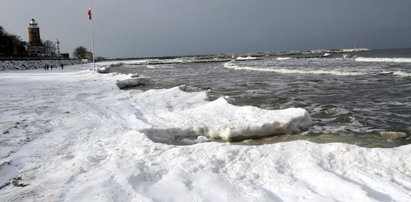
[246, 58]
[396, 60]
[230, 65]
[159, 66]
[283, 58]
[402, 74]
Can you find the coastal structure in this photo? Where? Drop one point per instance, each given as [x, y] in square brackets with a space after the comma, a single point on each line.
[57, 47]
[34, 33]
[35, 47]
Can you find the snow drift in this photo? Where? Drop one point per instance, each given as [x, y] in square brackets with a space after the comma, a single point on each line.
[191, 114]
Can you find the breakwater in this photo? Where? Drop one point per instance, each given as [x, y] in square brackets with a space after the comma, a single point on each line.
[34, 64]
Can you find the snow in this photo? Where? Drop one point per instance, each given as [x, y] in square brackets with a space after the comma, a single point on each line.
[72, 135]
[192, 113]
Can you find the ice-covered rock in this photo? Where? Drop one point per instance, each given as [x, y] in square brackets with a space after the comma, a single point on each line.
[103, 70]
[133, 82]
[33, 64]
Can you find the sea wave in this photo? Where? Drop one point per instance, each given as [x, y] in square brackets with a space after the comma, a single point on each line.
[230, 65]
[160, 66]
[396, 60]
[283, 58]
[246, 58]
[402, 74]
[396, 73]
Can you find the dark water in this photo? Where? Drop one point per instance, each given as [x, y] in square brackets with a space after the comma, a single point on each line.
[350, 100]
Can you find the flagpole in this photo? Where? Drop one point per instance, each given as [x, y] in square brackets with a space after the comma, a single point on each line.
[92, 38]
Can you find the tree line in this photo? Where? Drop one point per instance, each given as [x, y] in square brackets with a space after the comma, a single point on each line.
[10, 45]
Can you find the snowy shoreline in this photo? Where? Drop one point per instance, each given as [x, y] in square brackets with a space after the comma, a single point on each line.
[72, 135]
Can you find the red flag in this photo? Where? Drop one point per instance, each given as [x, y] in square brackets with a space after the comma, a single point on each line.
[89, 14]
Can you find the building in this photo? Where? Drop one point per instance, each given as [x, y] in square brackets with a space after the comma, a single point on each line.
[35, 47]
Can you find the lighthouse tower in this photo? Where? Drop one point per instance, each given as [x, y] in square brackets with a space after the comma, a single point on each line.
[34, 33]
[35, 48]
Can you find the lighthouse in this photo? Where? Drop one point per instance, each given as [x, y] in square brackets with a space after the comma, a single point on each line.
[35, 46]
[34, 33]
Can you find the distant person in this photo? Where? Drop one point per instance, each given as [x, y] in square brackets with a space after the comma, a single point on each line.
[62, 66]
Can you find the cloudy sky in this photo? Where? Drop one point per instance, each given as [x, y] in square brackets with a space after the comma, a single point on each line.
[134, 28]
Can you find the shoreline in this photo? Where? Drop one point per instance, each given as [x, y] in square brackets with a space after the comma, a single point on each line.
[67, 151]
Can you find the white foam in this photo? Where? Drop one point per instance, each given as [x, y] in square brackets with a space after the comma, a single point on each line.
[180, 60]
[241, 58]
[160, 66]
[396, 73]
[402, 74]
[116, 62]
[395, 60]
[230, 65]
[283, 58]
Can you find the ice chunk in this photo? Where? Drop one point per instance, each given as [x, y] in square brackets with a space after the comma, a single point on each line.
[133, 82]
[239, 123]
[176, 114]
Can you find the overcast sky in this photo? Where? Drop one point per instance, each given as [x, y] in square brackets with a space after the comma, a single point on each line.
[134, 28]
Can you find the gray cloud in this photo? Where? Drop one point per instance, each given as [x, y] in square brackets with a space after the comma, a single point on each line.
[129, 28]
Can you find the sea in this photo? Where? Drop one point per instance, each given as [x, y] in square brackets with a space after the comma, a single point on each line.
[351, 97]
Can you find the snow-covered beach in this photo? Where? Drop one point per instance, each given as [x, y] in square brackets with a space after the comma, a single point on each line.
[72, 135]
